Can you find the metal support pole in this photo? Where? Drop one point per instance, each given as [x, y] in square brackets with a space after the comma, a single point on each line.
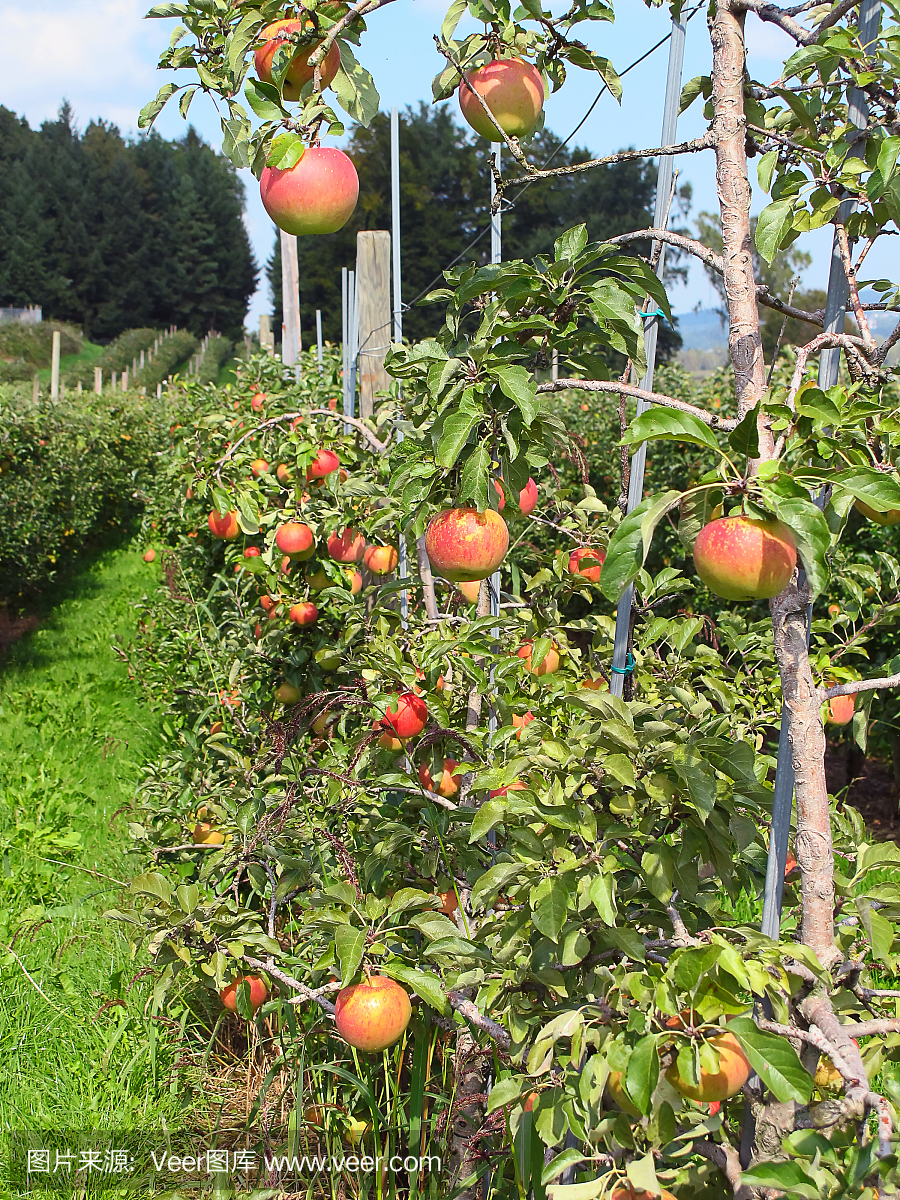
[345, 345]
[353, 348]
[636, 478]
[397, 306]
[319, 337]
[829, 364]
[496, 257]
[54, 366]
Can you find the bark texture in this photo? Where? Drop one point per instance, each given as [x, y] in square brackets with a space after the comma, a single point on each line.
[813, 846]
[729, 129]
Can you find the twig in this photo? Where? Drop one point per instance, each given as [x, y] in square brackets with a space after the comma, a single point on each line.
[306, 993]
[33, 983]
[317, 412]
[847, 261]
[87, 870]
[706, 142]
[858, 685]
[470, 1012]
[774, 15]
[427, 578]
[613, 385]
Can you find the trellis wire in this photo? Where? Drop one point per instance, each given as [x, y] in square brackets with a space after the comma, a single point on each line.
[829, 362]
[620, 665]
[402, 559]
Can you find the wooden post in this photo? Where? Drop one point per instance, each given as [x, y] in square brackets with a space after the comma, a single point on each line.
[54, 367]
[266, 336]
[142, 361]
[114, 381]
[125, 380]
[35, 390]
[98, 380]
[290, 300]
[373, 276]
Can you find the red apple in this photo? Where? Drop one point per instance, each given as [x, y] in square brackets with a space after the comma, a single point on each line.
[514, 91]
[594, 565]
[464, 545]
[355, 582]
[251, 552]
[407, 715]
[259, 466]
[519, 723]
[517, 786]
[840, 708]
[267, 603]
[300, 71]
[471, 591]
[739, 558]
[149, 554]
[258, 991]
[225, 527]
[528, 497]
[323, 464]
[317, 195]
[347, 547]
[304, 613]
[296, 540]
[283, 473]
[257, 401]
[548, 665]
[380, 560]
[733, 1073]
[373, 1014]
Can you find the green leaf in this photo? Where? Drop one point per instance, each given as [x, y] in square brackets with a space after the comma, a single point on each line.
[475, 478]
[152, 883]
[642, 1173]
[700, 85]
[491, 813]
[577, 1191]
[630, 544]
[455, 14]
[286, 151]
[668, 424]
[167, 10]
[774, 1060]
[349, 943]
[503, 1093]
[454, 435]
[699, 777]
[745, 438]
[807, 523]
[263, 99]
[642, 1073]
[696, 511]
[550, 914]
[355, 88]
[879, 491]
[520, 387]
[241, 37]
[765, 168]
[692, 965]
[570, 244]
[887, 157]
[788, 1177]
[602, 894]
[151, 111]
[423, 983]
[774, 222]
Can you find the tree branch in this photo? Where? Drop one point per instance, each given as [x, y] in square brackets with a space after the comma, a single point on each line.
[626, 389]
[774, 15]
[847, 262]
[858, 685]
[306, 993]
[706, 142]
[468, 1010]
[725, 1157]
[380, 447]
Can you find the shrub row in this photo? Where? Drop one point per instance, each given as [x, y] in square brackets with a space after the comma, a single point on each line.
[25, 349]
[218, 351]
[172, 352]
[69, 474]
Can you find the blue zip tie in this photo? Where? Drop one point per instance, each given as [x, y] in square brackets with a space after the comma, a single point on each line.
[653, 312]
[627, 669]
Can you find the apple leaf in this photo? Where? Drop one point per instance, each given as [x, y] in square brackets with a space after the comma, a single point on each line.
[355, 88]
[789, 1178]
[879, 491]
[151, 111]
[774, 222]
[642, 1072]
[286, 151]
[666, 424]
[774, 1060]
[630, 544]
[519, 386]
[423, 983]
[807, 523]
[744, 439]
[695, 511]
[349, 942]
[264, 100]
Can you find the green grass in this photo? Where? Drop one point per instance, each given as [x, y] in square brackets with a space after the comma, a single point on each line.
[89, 352]
[76, 1048]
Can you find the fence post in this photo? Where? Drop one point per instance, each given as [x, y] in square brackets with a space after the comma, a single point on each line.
[35, 390]
[54, 366]
[125, 380]
[290, 300]
[266, 336]
[98, 380]
[620, 666]
[373, 275]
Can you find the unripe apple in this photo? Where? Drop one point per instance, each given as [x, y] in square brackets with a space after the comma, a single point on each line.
[347, 547]
[739, 558]
[300, 71]
[616, 1089]
[891, 517]
[317, 195]
[407, 715]
[318, 579]
[149, 554]
[380, 560]
[593, 560]
[514, 92]
[224, 527]
[373, 1014]
[387, 741]
[323, 464]
[286, 693]
[548, 666]
[258, 467]
[733, 1073]
[464, 545]
[356, 582]
[258, 992]
[304, 613]
[528, 497]
[296, 540]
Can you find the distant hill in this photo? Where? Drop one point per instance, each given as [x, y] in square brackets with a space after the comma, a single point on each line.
[702, 330]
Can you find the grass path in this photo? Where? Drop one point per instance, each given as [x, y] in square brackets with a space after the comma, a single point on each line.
[73, 734]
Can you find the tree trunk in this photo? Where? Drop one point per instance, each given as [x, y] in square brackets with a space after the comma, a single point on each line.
[729, 129]
[813, 847]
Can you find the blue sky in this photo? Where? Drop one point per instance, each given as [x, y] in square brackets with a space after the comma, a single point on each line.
[101, 56]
